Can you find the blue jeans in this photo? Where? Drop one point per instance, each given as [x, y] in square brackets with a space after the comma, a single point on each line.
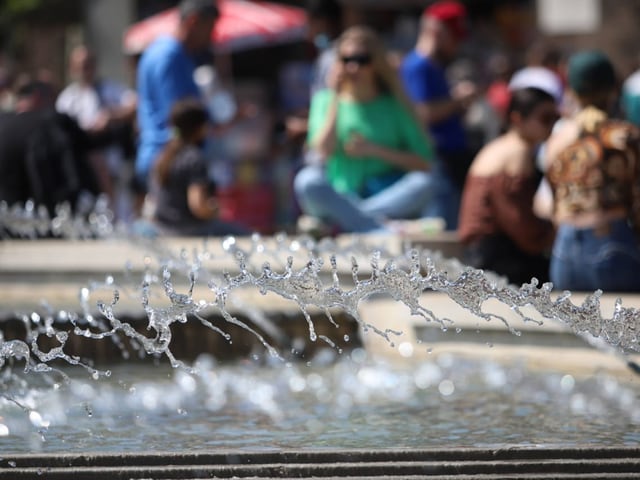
[587, 260]
[446, 198]
[405, 198]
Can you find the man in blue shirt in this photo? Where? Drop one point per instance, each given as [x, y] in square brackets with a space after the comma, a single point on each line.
[442, 28]
[165, 75]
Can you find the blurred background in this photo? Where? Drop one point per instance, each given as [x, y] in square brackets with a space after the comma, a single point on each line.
[273, 72]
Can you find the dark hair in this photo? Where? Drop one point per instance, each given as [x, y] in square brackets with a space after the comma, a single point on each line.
[525, 100]
[592, 76]
[330, 9]
[206, 8]
[187, 117]
[28, 87]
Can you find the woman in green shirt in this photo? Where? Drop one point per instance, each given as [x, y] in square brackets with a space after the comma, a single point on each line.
[371, 157]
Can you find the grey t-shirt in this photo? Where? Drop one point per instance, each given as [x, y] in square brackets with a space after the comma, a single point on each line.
[189, 167]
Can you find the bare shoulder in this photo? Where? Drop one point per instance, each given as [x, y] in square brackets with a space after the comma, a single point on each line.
[564, 135]
[487, 160]
[503, 155]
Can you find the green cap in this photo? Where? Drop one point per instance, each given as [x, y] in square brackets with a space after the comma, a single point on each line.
[590, 71]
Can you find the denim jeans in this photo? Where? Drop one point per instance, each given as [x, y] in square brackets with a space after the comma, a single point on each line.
[587, 260]
[407, 197]
[446, 199]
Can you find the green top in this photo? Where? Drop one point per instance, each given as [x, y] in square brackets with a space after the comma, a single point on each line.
[383, 120]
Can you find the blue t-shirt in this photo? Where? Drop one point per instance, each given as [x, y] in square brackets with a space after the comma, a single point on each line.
[165, 75]
[425, 81]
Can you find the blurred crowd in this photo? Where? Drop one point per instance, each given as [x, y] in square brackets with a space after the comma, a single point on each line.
[535, 167]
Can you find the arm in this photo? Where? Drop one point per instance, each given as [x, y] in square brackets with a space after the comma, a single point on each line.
[126, 111]
[325, 140]
[201, 203]
[358, 146]
[427, 86]
[513, 209]
[411, 148]
[436, 111]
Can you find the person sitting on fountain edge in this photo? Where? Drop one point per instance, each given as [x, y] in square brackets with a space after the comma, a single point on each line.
[185, 195]
[371, 157]
[498, 226]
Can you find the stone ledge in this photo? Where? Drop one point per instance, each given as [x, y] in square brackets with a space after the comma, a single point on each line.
[113, 255]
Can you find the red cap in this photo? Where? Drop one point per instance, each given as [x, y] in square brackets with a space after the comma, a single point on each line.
[453, 14]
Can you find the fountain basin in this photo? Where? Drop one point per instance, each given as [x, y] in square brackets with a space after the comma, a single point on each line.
[413, 385]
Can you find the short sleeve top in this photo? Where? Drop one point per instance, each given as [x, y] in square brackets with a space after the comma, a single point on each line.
[383, 120]
[600, 171]
[189, 168]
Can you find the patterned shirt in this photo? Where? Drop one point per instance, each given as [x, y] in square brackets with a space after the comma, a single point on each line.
[600, 171]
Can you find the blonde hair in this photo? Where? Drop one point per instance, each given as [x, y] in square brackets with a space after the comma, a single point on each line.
[387, 77]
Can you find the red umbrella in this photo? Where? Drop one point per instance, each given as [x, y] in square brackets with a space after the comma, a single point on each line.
[242, 25]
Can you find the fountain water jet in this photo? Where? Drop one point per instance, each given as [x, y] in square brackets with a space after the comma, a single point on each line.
[180, 288]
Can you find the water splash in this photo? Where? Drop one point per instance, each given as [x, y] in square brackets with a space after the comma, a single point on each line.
[91, 218]
[309, 287]
[402, 275]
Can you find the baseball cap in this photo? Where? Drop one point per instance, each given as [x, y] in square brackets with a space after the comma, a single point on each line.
[453, 14]
[538, 77]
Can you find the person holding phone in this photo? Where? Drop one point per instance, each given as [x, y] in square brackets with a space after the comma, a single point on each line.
[370, 157]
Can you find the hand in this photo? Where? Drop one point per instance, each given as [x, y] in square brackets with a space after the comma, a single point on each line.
[359, 146]
[336, 76]
[101, 122]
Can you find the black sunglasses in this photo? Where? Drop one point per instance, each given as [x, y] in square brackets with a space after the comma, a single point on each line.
[360, 59]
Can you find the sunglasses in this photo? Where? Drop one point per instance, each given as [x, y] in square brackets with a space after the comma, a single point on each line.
[359, 59]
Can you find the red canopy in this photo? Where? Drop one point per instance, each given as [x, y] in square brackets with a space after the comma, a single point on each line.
[242, 25]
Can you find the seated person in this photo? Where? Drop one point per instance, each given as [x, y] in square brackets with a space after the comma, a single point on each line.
[372, 155]
[497, 223]
[594, 172]
[183, 191]
[43, 153]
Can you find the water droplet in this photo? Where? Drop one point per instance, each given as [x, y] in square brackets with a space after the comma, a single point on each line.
[567, 382]
[37, 421]
[405, 349]
[446, 387]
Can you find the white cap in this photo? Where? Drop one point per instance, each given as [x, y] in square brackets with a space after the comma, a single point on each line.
[538, 77]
